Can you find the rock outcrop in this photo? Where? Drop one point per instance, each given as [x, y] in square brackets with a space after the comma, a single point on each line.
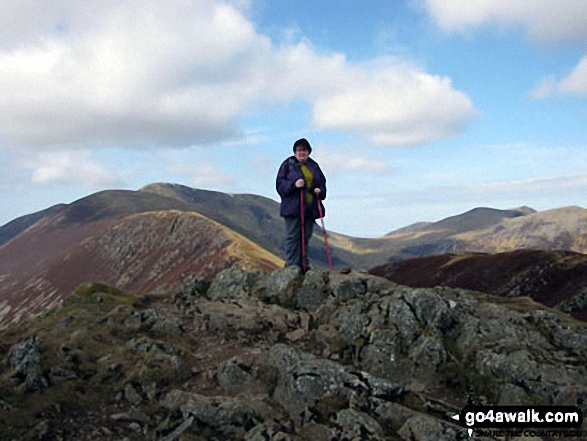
[281, 356]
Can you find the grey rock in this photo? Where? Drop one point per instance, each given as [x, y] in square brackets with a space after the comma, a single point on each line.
[141, 345]
[179, 430]
[430, 308]
[427, 353]
[225, 416]
[575, 303]
[195, 287]
[347, 287]
[517, 367]
[281, 286]
[424, 428]
[134, 319]
[352, 322]
[314, 290]
[401, 316]
[4, 406]
[316, 432]
[306, 381]
[62, 372]
[132, 395]
[168, 326]
[149, 317]
[42, 429]
[269, 432]
[354, 424]
[512, 395]
[234, 283]
[182, 369]
[570, 335]
[25, 363]
[383, 356]
[237, 377]
[392, 415]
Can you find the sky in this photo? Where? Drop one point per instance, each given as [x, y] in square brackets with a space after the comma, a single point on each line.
[416, 110]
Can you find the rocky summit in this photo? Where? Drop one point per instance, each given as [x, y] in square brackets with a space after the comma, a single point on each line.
[263, 356]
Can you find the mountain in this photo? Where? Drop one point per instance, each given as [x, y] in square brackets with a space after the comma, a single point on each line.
[17, 226]
[562, 228]
[134, 240]
[556, 279]
[281, 356]
[425, 238]
[254, 216]
[46, 254]
[480, 230]
[413, 227]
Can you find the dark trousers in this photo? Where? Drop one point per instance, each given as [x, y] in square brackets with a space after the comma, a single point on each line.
[293, 240]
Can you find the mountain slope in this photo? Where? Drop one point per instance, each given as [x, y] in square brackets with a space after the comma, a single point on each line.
[562, 228]
[145, 251]
[483, 230]
[17, 226]
[426, 238]
[553, 278]
[253, 216]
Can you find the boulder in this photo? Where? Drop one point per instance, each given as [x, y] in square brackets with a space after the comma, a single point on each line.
[281, 286]
[25, 364]
[234, 283]
[314, 290]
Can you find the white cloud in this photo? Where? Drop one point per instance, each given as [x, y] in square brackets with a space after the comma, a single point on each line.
[397, 105]
[543, 20]
[142, 73]
[68, 168]
[575, 83]
[347, 162]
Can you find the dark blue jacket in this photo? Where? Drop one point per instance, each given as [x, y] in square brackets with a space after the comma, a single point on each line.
[289, 173]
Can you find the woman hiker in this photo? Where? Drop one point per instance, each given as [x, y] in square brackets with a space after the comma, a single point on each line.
[300, 183]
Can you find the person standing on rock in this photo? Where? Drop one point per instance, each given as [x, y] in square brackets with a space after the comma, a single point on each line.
[301, 186]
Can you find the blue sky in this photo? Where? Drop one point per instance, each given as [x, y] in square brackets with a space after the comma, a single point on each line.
[416, 109]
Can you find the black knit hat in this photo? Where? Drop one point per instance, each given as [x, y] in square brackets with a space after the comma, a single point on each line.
[303, 142]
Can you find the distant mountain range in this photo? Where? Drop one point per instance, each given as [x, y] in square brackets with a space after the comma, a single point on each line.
[152, 238]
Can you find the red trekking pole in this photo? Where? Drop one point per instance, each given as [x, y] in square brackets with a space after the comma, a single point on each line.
[325, 238]
[303, 231]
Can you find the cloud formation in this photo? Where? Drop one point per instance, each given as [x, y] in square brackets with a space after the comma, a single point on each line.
[351, 162]
[76, 168]
[397, 105]
[144, 73]
[545, 21]
[575, 83]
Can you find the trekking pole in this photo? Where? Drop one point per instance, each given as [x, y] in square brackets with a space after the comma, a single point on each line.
[303, 231]
[325, 238]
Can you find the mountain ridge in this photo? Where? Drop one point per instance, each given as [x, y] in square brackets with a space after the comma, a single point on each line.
[140, 251]
[45, 247]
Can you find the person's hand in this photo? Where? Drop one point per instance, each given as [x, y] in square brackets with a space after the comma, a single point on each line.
[317, 191]
[300, 183]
